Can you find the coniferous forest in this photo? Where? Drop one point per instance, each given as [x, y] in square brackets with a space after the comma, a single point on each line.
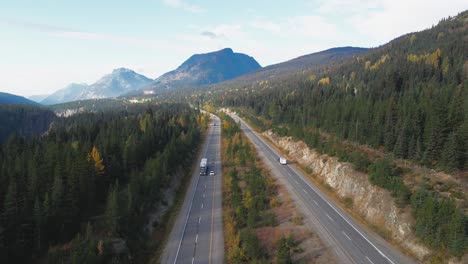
[90, 178]
[409, 96]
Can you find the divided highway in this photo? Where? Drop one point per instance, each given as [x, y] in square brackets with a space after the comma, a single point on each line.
[197, 234]
[347, 239]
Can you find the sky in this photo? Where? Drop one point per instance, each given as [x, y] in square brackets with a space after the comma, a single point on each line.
[47, 44]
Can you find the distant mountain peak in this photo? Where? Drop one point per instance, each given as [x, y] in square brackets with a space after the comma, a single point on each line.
[227, 50]
[118, 82]
[209, 68]
[121, 70]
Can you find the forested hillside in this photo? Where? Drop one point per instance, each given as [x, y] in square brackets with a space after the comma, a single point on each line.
[409, 97]
[24, 120]
[89, 181]
[6, 98]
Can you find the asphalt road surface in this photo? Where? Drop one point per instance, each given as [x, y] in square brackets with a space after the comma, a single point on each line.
[197, 235]
[349, 241]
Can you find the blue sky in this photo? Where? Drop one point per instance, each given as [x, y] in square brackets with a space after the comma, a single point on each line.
[47, 44]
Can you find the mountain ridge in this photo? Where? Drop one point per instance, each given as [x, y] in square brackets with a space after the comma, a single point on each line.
[118, 82]
[8, 98]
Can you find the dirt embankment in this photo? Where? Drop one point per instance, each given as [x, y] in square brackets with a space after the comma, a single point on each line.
[373, 204]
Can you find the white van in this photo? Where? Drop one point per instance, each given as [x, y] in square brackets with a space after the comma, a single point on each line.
[282, 161]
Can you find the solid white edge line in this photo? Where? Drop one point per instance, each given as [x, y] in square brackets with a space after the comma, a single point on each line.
[306, 182]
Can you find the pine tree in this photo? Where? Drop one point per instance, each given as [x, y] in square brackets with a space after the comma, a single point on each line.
[450, 157]
[38, 221]
[57, 192]
[11, 204]
[401, 147]
[458, 234]
[112, 209]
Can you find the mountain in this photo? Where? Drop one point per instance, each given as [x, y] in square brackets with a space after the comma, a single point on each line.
[209, 68]
[118, 82]
[333, 55]
[310, 60]
[6, 98]
[38, 97]
[70, 93]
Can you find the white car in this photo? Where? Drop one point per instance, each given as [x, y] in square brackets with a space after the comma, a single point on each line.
[212, 173]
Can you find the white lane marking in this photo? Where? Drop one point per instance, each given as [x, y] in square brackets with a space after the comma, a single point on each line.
[346, 235]
[296, 182]
[196, 238]
[304, 191]
[369, 260]
[203, 195]
[193, 259]
[289, 174]
[315, 202]
[329, 217]
[202, 205]
[199, 219]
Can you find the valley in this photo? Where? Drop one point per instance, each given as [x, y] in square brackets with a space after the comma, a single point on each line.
[322, 153]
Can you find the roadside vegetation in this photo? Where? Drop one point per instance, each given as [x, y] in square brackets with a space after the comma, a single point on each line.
[261, 223]
[246, 195]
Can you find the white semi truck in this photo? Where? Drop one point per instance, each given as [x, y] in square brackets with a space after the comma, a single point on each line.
[204, 166]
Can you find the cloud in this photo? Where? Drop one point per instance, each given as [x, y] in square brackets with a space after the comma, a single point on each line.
[379, 21]
[180, 4]
[73, 33]
[209, 34]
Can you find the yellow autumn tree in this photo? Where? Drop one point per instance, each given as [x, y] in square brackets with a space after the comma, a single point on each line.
[248, 199]
[95, 157]
[324, 81]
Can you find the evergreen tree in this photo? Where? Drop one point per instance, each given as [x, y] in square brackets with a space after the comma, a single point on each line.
[112, 210]
[38, 220]
[450, 156]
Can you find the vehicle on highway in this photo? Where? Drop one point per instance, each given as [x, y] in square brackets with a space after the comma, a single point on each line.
[282, 161]
[203, 166]
[212, 173]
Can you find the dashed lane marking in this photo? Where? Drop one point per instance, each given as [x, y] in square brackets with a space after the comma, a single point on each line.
[346, 235]
[369, 260]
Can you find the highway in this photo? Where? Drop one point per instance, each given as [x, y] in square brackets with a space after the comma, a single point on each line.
[349, 241]
[197, 234]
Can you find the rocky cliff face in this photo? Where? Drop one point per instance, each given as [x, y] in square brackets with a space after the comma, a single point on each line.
[373, 203]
